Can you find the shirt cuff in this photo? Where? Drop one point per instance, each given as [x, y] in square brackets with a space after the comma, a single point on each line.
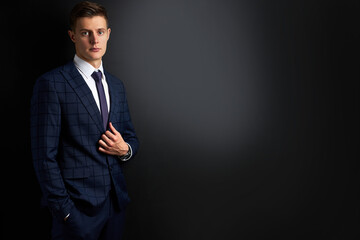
[67, 216]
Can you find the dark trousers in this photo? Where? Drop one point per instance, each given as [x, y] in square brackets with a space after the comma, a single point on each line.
[106, 224]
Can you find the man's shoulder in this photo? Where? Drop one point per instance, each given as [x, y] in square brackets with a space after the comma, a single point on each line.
[57, 73]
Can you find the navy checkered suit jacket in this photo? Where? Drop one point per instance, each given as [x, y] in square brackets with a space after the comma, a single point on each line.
[66, 126]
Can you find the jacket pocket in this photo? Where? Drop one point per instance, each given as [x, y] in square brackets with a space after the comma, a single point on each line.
[76, 173]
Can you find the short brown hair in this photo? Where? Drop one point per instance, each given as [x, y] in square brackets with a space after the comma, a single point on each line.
[86, 9]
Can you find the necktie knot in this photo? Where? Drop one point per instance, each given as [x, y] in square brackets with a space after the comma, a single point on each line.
[97, 76]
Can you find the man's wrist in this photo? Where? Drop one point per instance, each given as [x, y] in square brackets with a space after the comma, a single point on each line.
[128, 155]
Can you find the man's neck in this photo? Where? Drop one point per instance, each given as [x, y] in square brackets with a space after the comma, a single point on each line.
[95, 63]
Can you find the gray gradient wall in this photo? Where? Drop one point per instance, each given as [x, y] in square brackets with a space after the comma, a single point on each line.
[246, 111]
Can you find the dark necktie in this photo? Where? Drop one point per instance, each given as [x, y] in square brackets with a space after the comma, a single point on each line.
[102, 98]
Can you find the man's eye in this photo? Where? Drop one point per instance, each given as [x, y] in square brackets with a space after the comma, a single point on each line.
[101, 32]
[85, 33]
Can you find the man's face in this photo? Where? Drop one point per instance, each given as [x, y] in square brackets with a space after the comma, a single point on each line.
[90, 37]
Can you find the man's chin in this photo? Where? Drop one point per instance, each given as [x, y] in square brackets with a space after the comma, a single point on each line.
[95, 58]
[91, 57]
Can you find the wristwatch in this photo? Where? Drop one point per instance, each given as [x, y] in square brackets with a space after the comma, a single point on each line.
[127, 155]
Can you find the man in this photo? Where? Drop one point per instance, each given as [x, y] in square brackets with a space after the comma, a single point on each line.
[81, 131]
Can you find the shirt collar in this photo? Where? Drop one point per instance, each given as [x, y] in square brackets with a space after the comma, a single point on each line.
[86, 68]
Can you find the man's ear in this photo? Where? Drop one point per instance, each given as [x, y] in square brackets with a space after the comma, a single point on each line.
[109, 31]
[71, 35]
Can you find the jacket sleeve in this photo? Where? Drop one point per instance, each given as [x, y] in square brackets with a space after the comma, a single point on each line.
[45, 121]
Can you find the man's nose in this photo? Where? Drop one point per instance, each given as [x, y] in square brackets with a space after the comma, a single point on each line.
[94, 39]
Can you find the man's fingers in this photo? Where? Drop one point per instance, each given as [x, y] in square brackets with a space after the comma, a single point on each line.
[113, 129]
[111, 142]
[109, 139]
[106, 144]
[106, 149]
[102, 150]
[103, 144]
[108, 135]
[114, 134]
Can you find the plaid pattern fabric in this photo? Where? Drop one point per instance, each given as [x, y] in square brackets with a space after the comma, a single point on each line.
[66, 126]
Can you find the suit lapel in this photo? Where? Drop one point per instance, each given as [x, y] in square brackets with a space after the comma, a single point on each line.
[84, 93]
[113, 96]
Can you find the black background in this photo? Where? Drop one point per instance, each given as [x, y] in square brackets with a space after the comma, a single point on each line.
[247, 114]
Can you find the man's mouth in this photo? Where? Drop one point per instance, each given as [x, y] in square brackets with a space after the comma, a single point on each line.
[95, 49]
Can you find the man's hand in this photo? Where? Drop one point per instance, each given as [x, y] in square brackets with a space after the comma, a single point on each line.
[112, 143]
